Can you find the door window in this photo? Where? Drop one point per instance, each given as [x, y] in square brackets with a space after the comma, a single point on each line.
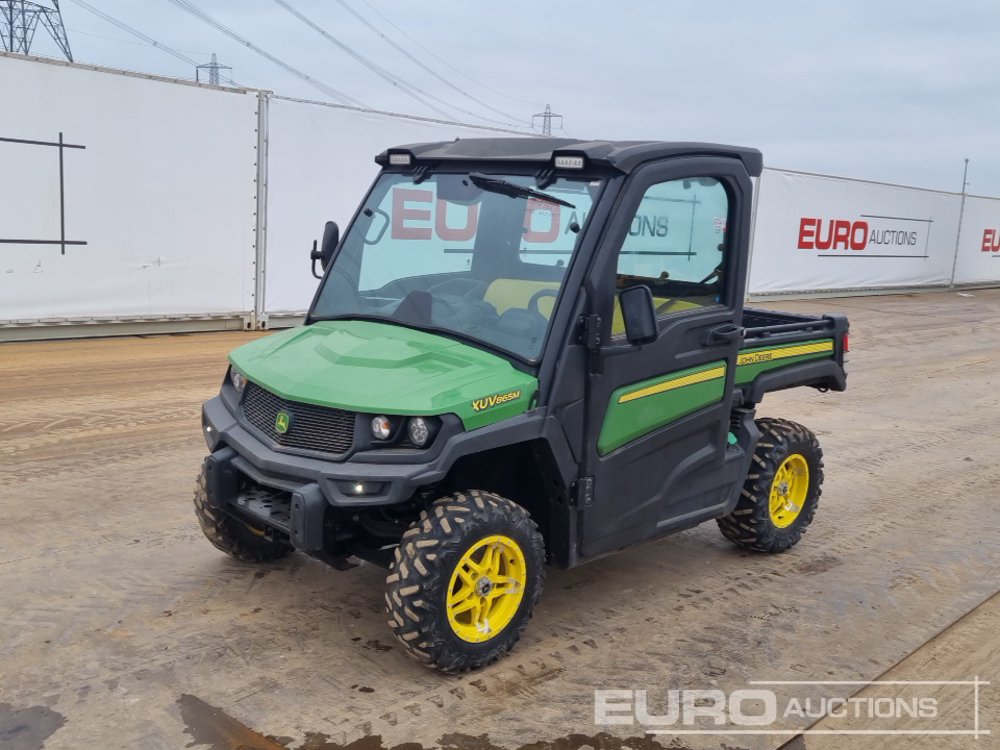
[676, 245]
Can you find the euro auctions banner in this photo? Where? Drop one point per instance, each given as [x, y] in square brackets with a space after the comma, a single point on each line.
[123, 196]
[979, 248]
[817, 233]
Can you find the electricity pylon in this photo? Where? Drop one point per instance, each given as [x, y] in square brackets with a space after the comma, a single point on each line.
[19, 20]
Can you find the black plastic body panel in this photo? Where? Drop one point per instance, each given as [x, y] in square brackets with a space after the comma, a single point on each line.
[624, 156]
[284, 505]
[220, 477]
[824, 373]
[774, 328]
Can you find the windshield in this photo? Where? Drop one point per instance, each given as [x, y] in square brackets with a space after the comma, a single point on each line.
[480, 256]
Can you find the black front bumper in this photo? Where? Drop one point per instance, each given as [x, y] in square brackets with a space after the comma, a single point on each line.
[291, 493]
[295, 510]
[395, 481]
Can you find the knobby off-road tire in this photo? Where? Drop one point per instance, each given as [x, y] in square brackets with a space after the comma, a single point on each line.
[782, 489]
[454, 570]
[234, 537]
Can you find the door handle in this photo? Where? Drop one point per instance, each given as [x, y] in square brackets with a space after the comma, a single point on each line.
[724, 334]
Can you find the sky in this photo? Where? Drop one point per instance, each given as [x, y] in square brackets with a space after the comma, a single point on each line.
[898, 92]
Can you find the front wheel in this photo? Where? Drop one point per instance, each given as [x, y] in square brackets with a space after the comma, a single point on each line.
[466, 577]
[781, 492]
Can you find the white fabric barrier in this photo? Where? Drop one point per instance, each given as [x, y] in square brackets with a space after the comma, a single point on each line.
[979, 248]
[321, 162]
[125, 196]
[816, 233]
[152, 213]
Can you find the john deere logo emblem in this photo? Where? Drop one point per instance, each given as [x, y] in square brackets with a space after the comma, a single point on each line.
[282, 422]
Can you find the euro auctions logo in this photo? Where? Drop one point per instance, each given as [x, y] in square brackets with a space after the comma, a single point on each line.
[881, 236]
[991, 241]
[832, 234]
[801, 707]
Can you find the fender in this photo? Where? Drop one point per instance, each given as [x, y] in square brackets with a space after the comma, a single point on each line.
[825, 372]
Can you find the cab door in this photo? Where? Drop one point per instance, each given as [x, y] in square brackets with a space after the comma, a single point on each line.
[658, 416]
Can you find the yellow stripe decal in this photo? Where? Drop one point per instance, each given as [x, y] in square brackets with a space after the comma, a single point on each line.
[669, 385]
[769, 355]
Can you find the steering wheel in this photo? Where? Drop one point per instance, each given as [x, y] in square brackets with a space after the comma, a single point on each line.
[533, 302]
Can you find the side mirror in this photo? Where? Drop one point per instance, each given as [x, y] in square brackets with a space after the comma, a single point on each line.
[639, 315]
[331, 237]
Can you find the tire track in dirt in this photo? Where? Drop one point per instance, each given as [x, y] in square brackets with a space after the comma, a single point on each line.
[117, 606]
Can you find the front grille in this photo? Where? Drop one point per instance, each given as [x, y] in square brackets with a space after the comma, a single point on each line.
[310, 427]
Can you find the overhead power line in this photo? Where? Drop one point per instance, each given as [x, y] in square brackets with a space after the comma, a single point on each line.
[444, 62]
[375, 68]
[139, 35]
[106, 38]
[133, 42]
[319, 85]
[407, 88]
[417, 61]
[192, 9]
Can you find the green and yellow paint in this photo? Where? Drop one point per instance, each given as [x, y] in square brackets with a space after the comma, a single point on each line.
[639, 408]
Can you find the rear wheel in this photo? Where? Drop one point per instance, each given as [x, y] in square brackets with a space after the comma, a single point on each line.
[465, 580]
[781, 492]
[236, 538]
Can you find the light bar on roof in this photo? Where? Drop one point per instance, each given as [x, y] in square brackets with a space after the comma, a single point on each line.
[569, 162]
[400, 159]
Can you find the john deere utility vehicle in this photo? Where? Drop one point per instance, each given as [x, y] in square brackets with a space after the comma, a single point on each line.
[523, 352]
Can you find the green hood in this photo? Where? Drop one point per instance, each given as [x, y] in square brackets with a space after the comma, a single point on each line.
[386, 369]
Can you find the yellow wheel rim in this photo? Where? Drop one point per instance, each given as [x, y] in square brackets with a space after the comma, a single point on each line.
[789, 490]
[486, 588]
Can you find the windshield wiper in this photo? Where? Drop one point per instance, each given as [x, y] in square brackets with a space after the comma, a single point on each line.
[498, 185]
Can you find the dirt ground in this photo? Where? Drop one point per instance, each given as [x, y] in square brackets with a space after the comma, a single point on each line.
[121, 627]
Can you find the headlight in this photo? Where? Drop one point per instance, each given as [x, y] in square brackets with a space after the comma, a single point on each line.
[419, 431]
[237, 379]
[381, 428]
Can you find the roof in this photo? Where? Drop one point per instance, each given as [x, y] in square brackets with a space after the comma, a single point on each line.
[621, 155]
